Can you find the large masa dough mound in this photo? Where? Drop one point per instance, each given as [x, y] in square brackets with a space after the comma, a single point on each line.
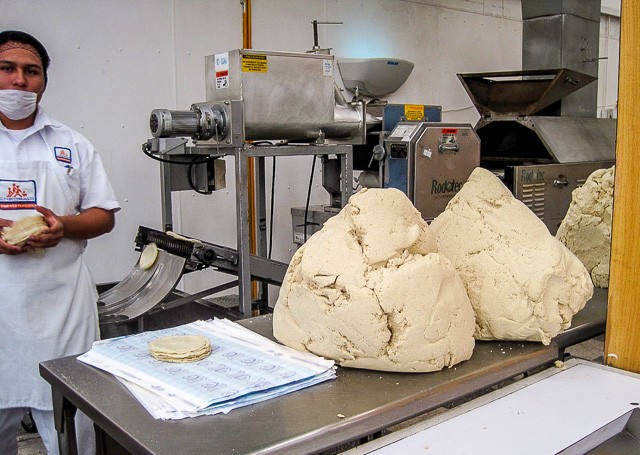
[522, 282]
[586, 229]
[369, 291]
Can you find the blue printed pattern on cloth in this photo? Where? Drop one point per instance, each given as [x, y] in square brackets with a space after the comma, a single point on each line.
[236, 367]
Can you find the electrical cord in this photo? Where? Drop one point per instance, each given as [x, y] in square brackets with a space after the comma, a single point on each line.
[306, 206]
[195, 160]
[191, 182]
[273, 188]
[273, 191]
[190, 161]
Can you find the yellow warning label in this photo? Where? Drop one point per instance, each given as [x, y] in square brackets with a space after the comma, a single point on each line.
[254, 63]
[413, 111]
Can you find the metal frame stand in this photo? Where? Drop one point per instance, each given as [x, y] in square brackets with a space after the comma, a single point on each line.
[259, 262]
[241, 155]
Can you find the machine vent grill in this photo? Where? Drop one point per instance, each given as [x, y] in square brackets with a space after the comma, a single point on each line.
[533, 197]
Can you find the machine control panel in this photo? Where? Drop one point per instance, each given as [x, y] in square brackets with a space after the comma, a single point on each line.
[398, 151]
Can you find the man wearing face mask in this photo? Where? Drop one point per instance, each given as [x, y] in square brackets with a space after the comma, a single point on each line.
[47, 300]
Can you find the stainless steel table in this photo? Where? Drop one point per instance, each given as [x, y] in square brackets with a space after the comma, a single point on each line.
[588, 323]
[357, 404]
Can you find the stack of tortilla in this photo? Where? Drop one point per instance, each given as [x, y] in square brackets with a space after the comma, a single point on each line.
[20, 231]
[180, 349]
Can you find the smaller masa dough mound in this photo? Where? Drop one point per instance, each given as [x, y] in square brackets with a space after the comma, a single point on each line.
[586, 229]
[522, 282]
[369, 291]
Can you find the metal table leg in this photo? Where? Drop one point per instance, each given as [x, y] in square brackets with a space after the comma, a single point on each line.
[64, 413]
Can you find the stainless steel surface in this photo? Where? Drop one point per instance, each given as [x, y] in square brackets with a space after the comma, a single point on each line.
[577, 139]
[356, 404]
[588, 323]
[581, 8]
[577, 408]
[374, 77]
[564, 34]
[172, 177]
[288, 96]
[344, 154]
[256, 95]
[147, 291]
[547, 188]
[316, 216]
[444, 157]
[519, 138]
[165, 196]
[243, 231]
[521, 93]
[203, 177]
[430, 162]
[618, 437]
[168, 123]
[142, 289]
[202, 122]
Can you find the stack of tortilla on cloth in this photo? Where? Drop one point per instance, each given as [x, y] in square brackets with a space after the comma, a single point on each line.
[180, 349]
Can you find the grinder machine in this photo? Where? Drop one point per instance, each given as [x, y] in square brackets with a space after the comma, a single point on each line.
[258, 104]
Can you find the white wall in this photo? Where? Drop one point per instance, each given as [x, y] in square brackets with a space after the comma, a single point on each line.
[114, 61]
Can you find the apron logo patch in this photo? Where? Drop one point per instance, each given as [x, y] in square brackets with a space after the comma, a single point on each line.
[63, 154]
[17, 194]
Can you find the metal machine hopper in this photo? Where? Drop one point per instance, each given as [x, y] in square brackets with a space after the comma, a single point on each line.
[541, 155]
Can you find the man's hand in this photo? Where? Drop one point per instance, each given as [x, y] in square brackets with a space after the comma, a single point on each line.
[51, 235]
[7, 248]
[86, 225]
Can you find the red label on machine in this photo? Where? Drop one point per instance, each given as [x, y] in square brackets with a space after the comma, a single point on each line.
[222, 73]
[449, 137]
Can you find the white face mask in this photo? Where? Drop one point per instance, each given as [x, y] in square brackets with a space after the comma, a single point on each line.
[17, 104]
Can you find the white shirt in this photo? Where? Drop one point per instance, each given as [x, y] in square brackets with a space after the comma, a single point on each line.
[49, 140]
[47, 304]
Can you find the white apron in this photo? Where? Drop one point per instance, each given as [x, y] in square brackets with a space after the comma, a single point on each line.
[47, 304]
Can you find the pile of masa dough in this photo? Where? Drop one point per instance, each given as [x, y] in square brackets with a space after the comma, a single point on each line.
[523, 283]
[369, 291]
[586, 229]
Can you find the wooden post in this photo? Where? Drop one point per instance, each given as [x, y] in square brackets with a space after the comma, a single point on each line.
[622, 340]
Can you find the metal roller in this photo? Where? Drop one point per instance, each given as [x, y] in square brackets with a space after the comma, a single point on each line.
[142, 289]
